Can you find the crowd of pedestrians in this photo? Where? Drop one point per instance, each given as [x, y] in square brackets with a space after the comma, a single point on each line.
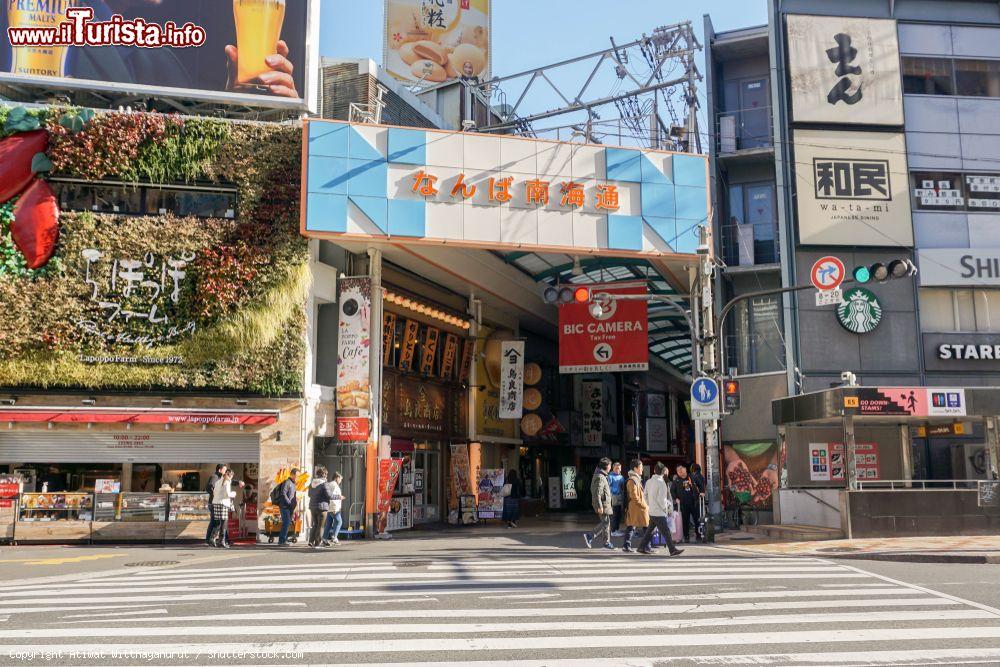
[647, 509]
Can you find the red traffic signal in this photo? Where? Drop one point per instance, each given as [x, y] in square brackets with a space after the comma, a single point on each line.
[581, 295]
[731, 391]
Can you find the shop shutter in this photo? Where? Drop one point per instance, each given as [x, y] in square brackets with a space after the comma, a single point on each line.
[51, 446]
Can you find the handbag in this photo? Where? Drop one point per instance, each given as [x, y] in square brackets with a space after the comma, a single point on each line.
[505, 491]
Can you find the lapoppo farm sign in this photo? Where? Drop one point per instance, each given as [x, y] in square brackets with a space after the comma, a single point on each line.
[615, 341]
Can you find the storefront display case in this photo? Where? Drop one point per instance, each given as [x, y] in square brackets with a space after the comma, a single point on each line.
[10, 492]
[140, 518]
[188, 516]
[55, 517]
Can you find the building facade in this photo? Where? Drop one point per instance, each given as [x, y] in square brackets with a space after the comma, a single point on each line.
[865, 132]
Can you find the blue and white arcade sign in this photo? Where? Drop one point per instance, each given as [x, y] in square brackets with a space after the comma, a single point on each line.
[365, 182]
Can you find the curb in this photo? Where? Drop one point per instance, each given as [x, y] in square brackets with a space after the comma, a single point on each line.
[982, 559]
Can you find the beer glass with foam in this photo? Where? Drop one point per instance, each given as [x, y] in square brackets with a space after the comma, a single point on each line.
[258, 29]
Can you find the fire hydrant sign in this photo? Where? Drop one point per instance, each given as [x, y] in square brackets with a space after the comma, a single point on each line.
[614, 342]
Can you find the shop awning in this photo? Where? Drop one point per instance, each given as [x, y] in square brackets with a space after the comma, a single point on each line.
[59, 415]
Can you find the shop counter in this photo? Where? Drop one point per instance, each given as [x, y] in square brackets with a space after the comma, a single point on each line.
[54, 517]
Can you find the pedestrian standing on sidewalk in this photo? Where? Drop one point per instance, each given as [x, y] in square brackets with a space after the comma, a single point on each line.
[287, 502]
[661, 510]
[213, 526]
[320, 495]
[512, 501]
[335, 517]
[600, 498]
[617, 483]
[685, 493]
[636, 512]
[698, 478]
[222, 505]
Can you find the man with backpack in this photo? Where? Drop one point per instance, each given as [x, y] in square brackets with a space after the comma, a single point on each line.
[284, 496]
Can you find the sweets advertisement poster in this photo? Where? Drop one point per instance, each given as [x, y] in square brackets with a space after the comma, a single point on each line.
[433, 41]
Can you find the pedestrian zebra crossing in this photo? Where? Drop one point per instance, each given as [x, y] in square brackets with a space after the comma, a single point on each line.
[563, 609]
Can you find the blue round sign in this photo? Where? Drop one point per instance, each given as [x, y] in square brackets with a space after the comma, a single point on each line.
[704, 391]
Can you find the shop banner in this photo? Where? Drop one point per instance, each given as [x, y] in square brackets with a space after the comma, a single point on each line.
[354, 351]
[593, 412]
[907, 401]
[828, 461]
[460, 482]
[752, 470]
[243, 51]
[511, 379]
[353, 429]
[491, 493]
[615, 341]
[84, 416]
[569, 483]
[844, 70]
[432, 41]
[388, 473]
[852, 188]
[400, 514]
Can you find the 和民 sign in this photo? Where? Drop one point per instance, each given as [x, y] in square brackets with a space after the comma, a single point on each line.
[852, 188]
[616, 340]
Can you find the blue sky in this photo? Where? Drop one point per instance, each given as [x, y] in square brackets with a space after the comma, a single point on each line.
[530, 33]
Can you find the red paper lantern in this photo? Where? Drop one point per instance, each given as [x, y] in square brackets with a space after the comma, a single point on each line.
[16, 153]
[36, 224]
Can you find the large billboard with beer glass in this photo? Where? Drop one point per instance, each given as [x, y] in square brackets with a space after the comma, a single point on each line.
[248, 51]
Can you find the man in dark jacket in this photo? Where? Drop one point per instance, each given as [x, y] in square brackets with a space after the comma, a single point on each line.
[320, 495]
[213, 525]
[600, 494]
[685, 493]
[287, 502]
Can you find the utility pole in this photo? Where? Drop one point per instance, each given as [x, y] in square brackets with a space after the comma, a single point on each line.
[706, 357]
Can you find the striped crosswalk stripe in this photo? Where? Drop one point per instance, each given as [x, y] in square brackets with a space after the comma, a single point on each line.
[519, 611]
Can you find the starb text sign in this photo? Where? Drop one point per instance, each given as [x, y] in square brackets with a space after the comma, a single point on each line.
[615, 341]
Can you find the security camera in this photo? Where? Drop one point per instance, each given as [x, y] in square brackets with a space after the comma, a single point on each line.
[849, 379]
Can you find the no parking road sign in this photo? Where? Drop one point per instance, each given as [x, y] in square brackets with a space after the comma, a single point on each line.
[705, 399]
[827, 273]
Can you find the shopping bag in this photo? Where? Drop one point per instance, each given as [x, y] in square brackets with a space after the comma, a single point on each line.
[677, 529]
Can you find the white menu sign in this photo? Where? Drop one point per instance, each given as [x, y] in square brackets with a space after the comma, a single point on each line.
[354, 346]
[511, 379]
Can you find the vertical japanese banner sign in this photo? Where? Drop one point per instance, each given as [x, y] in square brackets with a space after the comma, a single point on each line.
[511, 379]
[461, 475]
[593, 412]
[388, 473]
[354, 359]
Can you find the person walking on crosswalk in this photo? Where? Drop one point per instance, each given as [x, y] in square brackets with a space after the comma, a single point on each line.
[636, 510]
[600, 498]
[661, 510]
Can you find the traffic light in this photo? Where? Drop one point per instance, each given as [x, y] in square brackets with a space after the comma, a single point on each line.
[881, 272]
[732, 394]
[562, 294]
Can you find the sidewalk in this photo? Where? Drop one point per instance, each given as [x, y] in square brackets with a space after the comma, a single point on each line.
[969, 549]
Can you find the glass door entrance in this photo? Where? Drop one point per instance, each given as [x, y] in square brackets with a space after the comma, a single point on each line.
[427, 504]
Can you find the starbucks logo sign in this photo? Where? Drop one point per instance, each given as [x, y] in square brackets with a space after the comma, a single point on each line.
[860, 312]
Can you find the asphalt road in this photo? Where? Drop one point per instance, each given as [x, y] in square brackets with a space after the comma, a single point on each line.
[531, 597]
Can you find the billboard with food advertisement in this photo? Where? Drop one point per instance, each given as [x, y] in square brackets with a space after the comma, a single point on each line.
[245, 51]
[752, 474]
[433, 41]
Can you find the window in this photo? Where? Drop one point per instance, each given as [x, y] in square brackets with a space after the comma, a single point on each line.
[951, 191]
[938, 191]
[928, 76]
[750, 237]
[145, 199]
[977, 78]
[756, 344]
[965, 310]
